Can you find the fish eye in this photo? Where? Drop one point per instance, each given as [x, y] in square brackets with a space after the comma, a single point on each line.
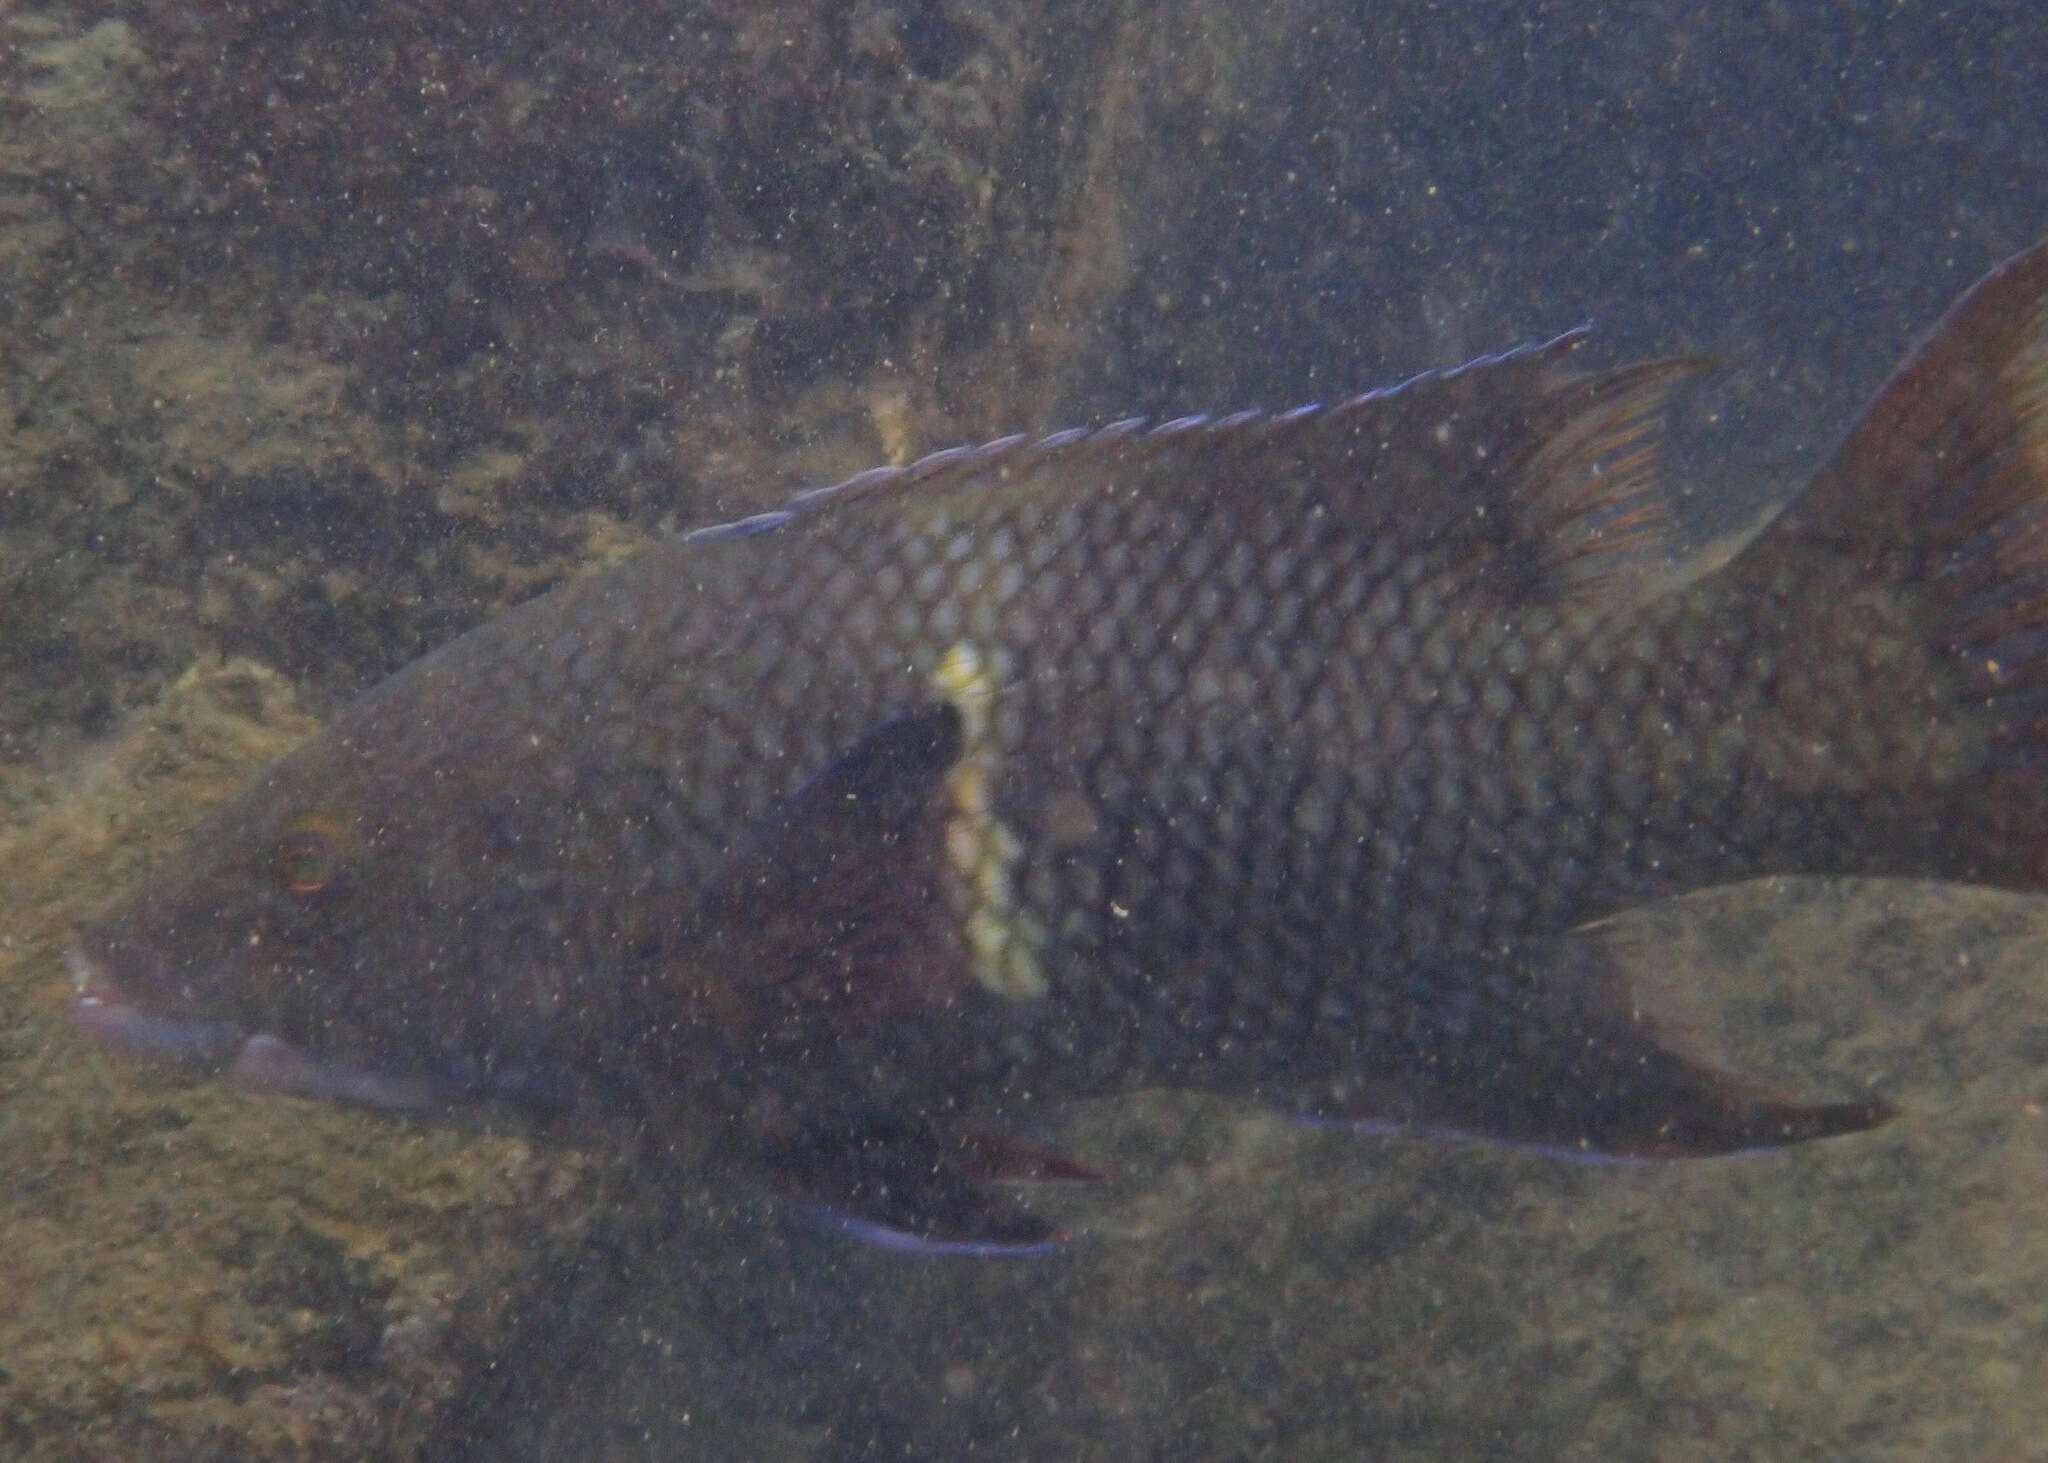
[307, 858]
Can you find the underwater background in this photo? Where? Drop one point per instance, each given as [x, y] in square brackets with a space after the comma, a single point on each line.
[327, 331]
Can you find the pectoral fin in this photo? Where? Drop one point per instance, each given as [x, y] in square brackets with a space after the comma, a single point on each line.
[906, 1185]
[836, 903]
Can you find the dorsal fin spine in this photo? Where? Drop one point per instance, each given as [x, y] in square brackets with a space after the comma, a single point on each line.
[958, 461]
[1505, 461]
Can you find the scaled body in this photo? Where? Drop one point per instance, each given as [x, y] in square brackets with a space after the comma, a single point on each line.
[1277, 755]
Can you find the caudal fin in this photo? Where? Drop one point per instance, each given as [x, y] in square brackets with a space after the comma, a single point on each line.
[1926, 540]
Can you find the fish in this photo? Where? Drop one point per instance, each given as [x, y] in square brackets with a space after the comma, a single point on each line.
[1293, 756]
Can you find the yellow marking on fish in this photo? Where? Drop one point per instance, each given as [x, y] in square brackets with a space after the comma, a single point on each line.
[1003, 941]
[889, 414]
[964, 681]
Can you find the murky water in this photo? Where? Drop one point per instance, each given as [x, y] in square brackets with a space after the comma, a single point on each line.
[327, 334]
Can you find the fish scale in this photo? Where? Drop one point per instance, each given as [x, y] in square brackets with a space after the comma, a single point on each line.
[1222, 832]
[1284, 756]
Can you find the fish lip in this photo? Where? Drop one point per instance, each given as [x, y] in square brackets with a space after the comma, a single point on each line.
[260, 1061]
[267, 1063]
[105, 1011]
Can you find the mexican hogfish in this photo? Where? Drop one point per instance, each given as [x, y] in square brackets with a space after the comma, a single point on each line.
[1275, 755]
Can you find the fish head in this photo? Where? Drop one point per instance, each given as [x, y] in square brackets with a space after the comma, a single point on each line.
[324, 933]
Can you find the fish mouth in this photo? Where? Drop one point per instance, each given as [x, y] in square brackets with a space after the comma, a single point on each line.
[260, 1060]
[104, 1009]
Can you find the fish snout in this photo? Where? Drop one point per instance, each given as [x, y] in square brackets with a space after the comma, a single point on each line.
[258, 1060]
[103, 1007]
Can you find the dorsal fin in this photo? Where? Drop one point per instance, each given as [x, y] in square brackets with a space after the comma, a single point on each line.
[1540, 481]
[1590, 502]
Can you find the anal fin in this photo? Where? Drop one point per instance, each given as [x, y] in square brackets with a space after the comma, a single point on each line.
[1572, 1069]
[1638, 1099]
[906, 1185]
